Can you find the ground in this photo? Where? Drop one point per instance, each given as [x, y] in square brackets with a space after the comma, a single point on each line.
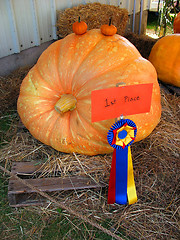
[151, 33]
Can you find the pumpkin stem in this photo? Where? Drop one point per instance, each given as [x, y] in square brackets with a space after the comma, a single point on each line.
[79, 19]
[110, 21]
[67, 102]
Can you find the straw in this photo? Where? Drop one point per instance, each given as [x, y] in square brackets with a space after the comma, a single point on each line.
[94, 14]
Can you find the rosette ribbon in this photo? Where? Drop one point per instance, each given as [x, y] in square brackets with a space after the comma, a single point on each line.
[122, 188]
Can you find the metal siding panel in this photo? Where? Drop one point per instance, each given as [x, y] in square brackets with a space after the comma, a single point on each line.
[126, 4]
[63, 4]
[77, 2]
[133, 3]
[114, 2]
[24, 20]
[92, 1]
[103, 1]
[140, 17]
[35, 23]
[43, 8]
[130, 6]
[146, 4]
[138, 5]
[53, 19]
[8, 45]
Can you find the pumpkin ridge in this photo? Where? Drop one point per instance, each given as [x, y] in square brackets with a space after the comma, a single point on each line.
[50, 135]
[56, 46]
[96, 143]
[134, 55]
[105, 72]
[94, 126]
[57, 68]
[49, 86]
[84, 138]
[65, 79]
[90, 126]
[78, 115]
[35, 117]
[100, 143]
[30, 79]
[52, 130]
[98, 125]
[75, 39]
[34, 96]
[84, 58]
[47, 139]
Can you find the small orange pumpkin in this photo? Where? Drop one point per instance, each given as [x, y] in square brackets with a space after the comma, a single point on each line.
[176, 24]
[108, 30]
[79, 27]
[165, 56]
[55, 97]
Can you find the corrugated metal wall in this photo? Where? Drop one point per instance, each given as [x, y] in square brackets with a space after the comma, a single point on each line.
[28, 23]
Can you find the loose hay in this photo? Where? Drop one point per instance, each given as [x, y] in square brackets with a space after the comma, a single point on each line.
[94, 14]
[9, 89]
[156, 170]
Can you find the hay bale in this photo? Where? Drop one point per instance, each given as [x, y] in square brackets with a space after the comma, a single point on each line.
[9, 88]
[94, 14]
[143, 43]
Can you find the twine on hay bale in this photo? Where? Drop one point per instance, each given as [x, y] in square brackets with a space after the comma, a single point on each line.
[94, 14]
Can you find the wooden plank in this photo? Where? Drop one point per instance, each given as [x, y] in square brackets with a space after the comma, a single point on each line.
[53, 184]
[26, 199]
[21, 195]
[22, 168]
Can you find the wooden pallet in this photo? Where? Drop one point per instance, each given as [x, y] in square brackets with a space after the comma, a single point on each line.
[20, 195]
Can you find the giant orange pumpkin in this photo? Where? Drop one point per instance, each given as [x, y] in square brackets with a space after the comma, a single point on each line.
[165, 56]
[55, 97]
[176, 24]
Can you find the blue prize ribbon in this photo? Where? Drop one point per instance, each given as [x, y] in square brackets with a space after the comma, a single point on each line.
[118, 182]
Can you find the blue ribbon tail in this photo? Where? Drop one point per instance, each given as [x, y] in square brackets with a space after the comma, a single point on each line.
[121, 175]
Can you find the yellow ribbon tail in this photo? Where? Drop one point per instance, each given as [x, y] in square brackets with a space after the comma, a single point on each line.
[131, 188]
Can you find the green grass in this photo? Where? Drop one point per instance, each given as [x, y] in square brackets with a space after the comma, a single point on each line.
[76, 230]
[152, 20]
[34, 223]
[7, 128]
[16, 223]
[152, 24]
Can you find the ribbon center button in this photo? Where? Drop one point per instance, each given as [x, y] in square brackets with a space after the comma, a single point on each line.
[122, 134]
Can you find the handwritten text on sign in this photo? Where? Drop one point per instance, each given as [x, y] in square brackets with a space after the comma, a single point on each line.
[127, 100]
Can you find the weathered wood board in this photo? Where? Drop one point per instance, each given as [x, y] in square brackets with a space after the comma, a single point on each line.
[20, 195]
